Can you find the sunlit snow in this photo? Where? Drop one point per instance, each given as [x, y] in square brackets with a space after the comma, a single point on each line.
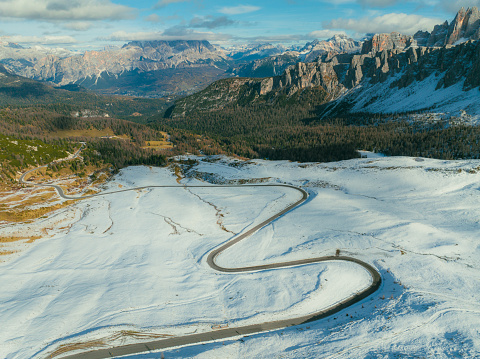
[136, 261]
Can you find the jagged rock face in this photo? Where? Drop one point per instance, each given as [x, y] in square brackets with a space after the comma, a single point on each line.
[355, 73]
[350, 79]
[452, 64]
[266, 67]
[392, 41]
[21, 60]
[312, 51]
[473, 77]
[438, 35]
[303, 75]
[338, 44]
[422, 37]
[465, 26]
[145, 56]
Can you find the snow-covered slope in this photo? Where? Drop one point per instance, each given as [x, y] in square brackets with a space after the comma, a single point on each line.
[419, 96]
[133, 264]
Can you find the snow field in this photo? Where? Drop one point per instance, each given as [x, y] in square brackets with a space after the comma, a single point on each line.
[137, 260]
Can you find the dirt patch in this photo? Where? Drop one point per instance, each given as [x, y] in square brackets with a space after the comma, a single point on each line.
[19, 215]
[179, 174]
[29, 239]
[6, 253]
[103, 342]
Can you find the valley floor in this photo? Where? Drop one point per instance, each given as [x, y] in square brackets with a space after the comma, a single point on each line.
[131, 266]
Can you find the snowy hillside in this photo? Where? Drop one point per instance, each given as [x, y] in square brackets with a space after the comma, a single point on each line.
[419, 96]
[131, 266]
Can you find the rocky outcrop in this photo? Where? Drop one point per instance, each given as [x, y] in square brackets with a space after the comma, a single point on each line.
[324, 50]
[438, 35]
[266, 67]
[392, 41]
[466, 25]
[304, 75]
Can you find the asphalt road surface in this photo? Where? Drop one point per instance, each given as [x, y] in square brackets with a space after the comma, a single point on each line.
[220, 334]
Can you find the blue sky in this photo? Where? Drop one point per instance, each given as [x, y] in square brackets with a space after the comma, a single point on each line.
[92, 24]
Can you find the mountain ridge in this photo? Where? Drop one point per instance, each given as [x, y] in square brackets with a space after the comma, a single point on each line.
[390, 64]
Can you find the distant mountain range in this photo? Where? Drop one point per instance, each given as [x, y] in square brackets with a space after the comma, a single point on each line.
[438, 71]
[19, 91]
[339, 64]
[159, 68]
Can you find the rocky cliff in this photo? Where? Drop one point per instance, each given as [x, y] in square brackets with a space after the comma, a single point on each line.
[266, 67]
[392, 41]
[311, 52]
[144, 56]
[464, 27]
[403, 78]
[156, 68]
[143, 65]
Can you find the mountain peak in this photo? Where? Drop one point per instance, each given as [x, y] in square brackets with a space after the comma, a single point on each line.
[179, 45]
[465, 26]
[11, 45]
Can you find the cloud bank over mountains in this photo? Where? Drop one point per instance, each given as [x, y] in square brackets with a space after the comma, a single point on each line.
[88, 23]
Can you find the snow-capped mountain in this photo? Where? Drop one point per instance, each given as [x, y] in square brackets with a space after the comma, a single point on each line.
[338, 44]
[392, 74]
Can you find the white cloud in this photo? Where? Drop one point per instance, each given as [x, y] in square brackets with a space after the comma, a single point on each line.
[210, 22]
[324, 34]
[451, 6]
[455, 5]
[175, 33]
[153, 18]
[59, 10]
[237, 10]
[403, 23]
[43, 40]
[78, 25]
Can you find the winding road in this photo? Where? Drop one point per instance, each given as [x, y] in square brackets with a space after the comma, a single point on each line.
[237, 331]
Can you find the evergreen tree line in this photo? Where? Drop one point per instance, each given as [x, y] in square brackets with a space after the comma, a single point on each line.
[298, 132]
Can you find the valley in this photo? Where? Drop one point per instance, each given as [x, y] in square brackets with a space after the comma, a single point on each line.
[290, 181]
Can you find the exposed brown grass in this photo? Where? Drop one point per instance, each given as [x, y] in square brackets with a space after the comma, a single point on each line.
[65, 348]
[17, 215]
[179, 174]
[11, 239]
[6, 253]
[98, 343]
[163, 144]
[158, 145]
[91, 132]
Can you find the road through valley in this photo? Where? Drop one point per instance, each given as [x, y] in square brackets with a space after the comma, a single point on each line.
[231, 332]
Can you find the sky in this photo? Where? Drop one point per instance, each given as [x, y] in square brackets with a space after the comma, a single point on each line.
[93, 24]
